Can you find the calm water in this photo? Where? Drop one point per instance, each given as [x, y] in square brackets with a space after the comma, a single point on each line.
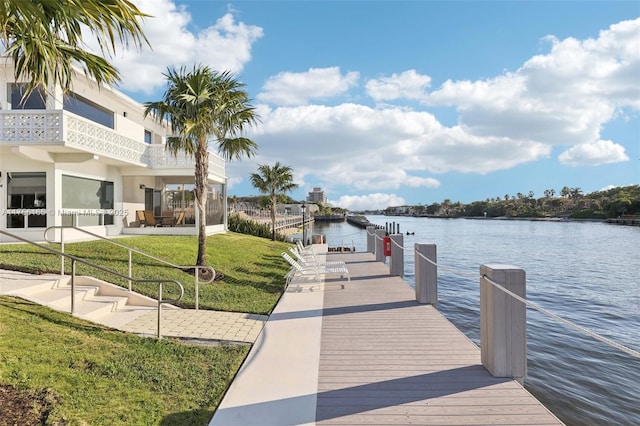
[587, 273]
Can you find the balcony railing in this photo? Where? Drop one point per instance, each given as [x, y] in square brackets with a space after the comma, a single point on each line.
[46, 127]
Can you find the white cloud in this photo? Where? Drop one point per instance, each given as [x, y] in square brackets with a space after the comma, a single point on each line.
[563, 97]
[226, 45]
[406, 85]
[289, 88]
[376, 201]
[594, 154]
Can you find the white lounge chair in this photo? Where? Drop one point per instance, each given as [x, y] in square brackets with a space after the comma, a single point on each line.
[311, 260]
[314, 270]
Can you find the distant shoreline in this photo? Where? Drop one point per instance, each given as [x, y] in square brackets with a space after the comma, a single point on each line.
[627, 221]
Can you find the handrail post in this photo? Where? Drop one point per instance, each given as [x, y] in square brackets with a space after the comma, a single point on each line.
[197, 285]
[426, 274]
[130, 270]
[73, 285]
[396, 262]
[159, 309]
[371, 239]
[503, 321]
[380, 233]
[62, 250]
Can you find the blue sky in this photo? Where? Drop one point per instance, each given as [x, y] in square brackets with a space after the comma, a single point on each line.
[384, 103]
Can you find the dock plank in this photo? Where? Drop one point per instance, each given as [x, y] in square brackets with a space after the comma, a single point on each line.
[385, 359]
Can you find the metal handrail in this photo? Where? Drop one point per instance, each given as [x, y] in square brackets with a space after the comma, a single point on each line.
[75, 259]
[130, 250]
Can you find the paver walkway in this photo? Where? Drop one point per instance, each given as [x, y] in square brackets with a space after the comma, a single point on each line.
[200, 324]
[368, 354]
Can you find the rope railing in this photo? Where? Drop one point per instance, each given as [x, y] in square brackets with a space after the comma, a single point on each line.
[527, 303]
[444, 268]
[566, 322]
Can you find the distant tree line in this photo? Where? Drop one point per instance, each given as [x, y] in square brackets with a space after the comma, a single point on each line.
[571, 203]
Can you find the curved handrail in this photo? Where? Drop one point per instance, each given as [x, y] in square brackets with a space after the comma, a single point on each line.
[134, 250]
[75, 259]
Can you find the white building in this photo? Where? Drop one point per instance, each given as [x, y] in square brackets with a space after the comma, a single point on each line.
[90, 159]
[317, 196]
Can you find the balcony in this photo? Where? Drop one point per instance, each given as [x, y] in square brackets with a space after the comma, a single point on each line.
[59, 128]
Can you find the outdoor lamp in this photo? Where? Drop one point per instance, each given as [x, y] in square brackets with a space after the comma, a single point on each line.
[304, 227]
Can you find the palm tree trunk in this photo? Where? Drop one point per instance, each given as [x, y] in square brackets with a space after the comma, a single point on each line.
[273, 217]
[201, 173]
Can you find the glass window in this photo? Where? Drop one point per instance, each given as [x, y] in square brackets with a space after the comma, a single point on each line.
[147, 136]
[36, 100]
[27, 191]
[214, 208]
[89, 110]
[88, 195]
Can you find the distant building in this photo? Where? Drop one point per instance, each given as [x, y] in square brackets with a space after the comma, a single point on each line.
[317, 196]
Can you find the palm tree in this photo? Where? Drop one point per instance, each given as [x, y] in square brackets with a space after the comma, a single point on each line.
[44, 38]
[273, 181]
[203, 104]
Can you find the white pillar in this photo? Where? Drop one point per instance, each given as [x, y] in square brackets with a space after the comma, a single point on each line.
[380, 234]
[503, 321]
[426, 274]
[396, 262]
[371, 239]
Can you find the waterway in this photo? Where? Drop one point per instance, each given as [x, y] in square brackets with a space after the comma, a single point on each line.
[587, 273]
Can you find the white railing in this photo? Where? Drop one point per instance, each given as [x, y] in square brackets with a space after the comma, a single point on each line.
[86, 135]
[22, 128]
[58, 127]
[157, 156]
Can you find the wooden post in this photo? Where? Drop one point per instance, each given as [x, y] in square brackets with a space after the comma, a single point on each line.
[380, 233]
[371, 239]
[503, 321]
[426, 274]
[396, 262]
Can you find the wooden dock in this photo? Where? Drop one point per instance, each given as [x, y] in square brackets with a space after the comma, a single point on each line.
[387, 360]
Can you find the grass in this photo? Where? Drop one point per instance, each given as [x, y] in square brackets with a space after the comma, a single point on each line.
[252, 267]
[97, 376]
[79, 373]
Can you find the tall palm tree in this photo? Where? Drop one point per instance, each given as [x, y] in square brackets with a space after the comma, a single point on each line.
[273, 181]
[44, 38]
[200, 105]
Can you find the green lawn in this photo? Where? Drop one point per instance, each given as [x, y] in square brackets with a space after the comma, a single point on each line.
[96, 376]
[92, 375]
[252, 267]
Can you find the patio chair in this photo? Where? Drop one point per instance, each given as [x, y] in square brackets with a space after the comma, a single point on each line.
[179, 219]
[140, 218]
[315, 270]
[149, 219]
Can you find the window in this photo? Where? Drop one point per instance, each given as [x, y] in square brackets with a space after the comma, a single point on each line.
[214, 209]
[147, 136]
[27, 196]
[36, 100]
[89, 110]
[90, 197]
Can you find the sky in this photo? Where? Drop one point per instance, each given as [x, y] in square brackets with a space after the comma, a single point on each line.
[388, 103]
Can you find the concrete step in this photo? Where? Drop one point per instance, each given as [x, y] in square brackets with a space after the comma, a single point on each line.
[88, 303]
[18, 283]
[95, 300]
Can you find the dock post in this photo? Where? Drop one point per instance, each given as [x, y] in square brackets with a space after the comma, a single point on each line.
[426, 274]
[380, 233]
[371, 239]
[503, 322]
[396, 262]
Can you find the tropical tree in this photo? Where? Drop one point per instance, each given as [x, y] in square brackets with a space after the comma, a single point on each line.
[203, 105]
[273, 180]
[44, 38]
